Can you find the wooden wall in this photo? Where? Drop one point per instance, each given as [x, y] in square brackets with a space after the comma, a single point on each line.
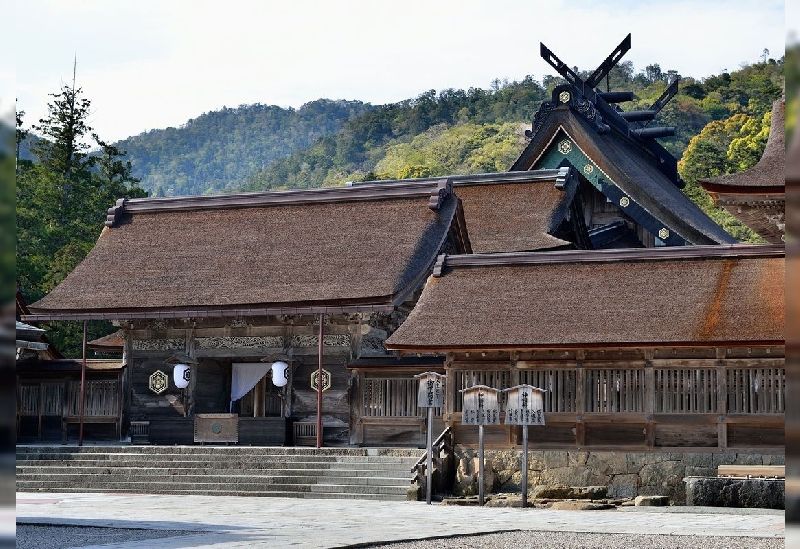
[636, 399]
[214, 344]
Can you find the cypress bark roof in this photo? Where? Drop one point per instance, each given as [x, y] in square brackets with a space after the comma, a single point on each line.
[674, 296]
[793, 156]
[511, 211]
[514, 217]
[768, 175]
[632, 169]
[257, 253]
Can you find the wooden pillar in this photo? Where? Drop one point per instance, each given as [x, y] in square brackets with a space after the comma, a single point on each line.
[580, 404]
[82, 402]
[722, 400]
[649, 403]
[319, 379]
[194, 365]
[127, 377]
[259, 397]
[450, 388]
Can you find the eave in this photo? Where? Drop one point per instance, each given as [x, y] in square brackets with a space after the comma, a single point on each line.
[443, 349]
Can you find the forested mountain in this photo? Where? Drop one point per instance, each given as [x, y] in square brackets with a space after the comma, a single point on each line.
[359, 151]
[217, 151]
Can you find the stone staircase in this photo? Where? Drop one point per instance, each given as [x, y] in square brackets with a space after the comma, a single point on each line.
[337, 473]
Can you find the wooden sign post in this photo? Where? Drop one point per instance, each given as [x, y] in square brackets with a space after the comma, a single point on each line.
[430, 395]
[481, 407]
[524, 406]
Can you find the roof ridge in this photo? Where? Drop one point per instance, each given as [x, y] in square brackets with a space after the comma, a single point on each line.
[436, 188]
[721, 251]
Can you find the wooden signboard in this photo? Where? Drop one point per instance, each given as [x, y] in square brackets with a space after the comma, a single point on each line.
[524, 405]
[431, 390]
[481, 406]
[430, 395]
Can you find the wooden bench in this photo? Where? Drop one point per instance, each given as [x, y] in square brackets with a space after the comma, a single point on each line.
[752, 471]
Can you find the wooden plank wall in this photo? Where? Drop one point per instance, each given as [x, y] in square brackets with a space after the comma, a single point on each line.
[655, 404]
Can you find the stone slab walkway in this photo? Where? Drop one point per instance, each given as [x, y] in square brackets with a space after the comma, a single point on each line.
[225, 522]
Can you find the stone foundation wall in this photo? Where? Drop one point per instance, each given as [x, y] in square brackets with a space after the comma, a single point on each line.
[625, 474]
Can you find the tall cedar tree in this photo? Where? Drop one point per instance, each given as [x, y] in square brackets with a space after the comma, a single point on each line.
[61, 203]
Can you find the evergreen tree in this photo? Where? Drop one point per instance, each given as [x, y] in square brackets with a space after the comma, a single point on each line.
[61, 203]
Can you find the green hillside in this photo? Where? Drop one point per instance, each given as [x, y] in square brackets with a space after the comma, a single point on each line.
[216, 151]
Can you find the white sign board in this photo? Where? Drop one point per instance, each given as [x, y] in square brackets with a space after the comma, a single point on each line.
[431, 390]
[481, 406]
[524, 405]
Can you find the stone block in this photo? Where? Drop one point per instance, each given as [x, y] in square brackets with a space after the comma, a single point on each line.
[651, 501]
[624, 486]
[698, 460]
[608, 463]
[569, 492]
[414, 492]
[732, 492]
[579, 506]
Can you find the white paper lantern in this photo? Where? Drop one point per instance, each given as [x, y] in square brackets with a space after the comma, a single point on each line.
[280, 373]
[181, 374]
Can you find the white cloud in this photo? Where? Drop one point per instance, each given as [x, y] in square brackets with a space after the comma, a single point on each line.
[152, 64]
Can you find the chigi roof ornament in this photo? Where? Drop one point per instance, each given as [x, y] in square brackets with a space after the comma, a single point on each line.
[602, 109]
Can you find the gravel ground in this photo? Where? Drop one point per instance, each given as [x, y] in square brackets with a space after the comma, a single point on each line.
[33, 536]
[570, 540]
[30, 536]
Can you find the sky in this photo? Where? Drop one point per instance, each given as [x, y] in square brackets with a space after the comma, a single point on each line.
[150, 64]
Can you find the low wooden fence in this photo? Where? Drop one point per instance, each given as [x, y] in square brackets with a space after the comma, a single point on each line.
[666, 405]
[60, 401]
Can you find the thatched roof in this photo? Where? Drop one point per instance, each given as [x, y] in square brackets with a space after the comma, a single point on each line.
[768, 175]
[757, 196]
[510, 211]
[514, 216]
[111, 343]
[324, 250]
[576, 299]
[793, 155]
[631, 168]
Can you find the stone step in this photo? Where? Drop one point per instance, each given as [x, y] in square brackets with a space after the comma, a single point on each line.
[265, 471]
[96, 477]
[215, 487]
[224, 492]
[224, 450]
[227, 465]
[214, 458]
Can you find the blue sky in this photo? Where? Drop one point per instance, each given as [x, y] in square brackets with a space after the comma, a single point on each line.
[150, 64]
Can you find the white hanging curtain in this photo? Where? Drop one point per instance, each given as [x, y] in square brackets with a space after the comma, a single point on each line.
[245, 376]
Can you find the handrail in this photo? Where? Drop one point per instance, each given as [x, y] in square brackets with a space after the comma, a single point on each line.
[436, 444]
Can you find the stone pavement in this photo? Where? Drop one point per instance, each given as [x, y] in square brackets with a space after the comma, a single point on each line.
[226, 522]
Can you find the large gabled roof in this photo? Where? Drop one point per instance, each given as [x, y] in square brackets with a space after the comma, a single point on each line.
[510, 211]
[621, 167]
[757, 196]
[681, 296]
[323, 250]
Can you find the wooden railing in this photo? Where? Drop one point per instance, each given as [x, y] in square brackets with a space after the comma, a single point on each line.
[102, 404]
[442, 459]
[391, 397]
[659, 404]
[101, 399]
[696, 390]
